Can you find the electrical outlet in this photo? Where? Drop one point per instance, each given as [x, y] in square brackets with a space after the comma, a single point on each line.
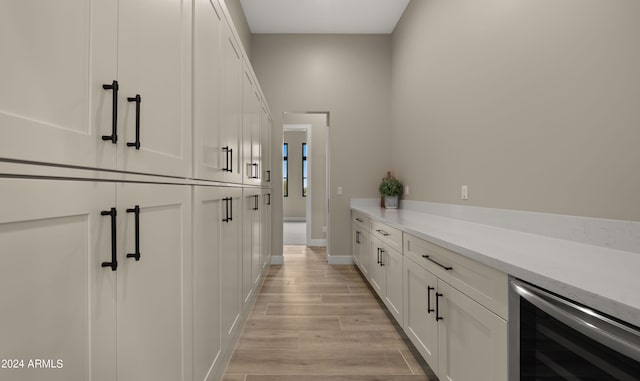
[324, 229]
[339, 191]
[464, 192]
[406, 190]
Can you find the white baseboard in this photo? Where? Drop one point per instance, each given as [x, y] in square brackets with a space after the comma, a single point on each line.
[340, 260]
[277, 260]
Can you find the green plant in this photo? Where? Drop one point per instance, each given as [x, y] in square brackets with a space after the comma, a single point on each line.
[390, 186]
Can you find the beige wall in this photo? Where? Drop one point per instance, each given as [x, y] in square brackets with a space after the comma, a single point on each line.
[316, 154]
[532, 104]
[240, 22]
[348, 76]
[294, 205]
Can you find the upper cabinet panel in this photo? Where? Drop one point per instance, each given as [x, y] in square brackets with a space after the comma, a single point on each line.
[154, 63]
[56, 58]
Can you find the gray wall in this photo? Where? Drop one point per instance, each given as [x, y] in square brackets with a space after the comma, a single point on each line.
[240, 22]
[532, 104]
[294, 205]
[350, 77]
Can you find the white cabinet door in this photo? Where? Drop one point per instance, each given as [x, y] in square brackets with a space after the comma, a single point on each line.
[210, 160]
[265, 222]
[154, 61]
[377, 270]
[153, 296]
[58, 302]
[231, 264]
[265, 145]
[472, 339]
[392, 264]
[231, 104]
[361, 249]
[56, 57]
[208, 212]
[251, 212]
[251, 128]
[419, 311]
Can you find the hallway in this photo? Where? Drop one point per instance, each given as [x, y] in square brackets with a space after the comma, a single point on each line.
[314, 322]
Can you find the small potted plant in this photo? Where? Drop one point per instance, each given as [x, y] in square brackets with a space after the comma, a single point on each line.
[391, 189]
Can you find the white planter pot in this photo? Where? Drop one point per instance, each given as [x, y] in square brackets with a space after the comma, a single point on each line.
[391, 202]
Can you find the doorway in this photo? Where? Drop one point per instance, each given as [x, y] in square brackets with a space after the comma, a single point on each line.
[305, 179]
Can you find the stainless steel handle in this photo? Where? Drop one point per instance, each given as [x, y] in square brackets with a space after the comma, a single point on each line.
[608, 332]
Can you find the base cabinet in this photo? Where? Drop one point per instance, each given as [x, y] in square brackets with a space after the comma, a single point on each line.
[362, 250]
[459, 338]
[386, 276]
[231, 264]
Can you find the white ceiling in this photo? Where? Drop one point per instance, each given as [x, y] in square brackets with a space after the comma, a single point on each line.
[323, 16]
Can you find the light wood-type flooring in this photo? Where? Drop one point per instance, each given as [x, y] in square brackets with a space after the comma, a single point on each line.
[316, 322]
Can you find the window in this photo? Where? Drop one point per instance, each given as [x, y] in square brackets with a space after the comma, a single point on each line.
[304, 169]
[285, 170]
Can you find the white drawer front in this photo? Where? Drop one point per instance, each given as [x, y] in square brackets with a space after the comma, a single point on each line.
[388, 235]
[361, 221]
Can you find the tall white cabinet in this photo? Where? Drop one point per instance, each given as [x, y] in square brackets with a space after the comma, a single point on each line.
[134, 170]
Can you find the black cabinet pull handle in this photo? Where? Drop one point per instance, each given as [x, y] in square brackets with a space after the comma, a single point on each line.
[228, 209]
[448, 268]
[256, 203]
[231, 160]
[357, 237]
[226, 150]
[114, 112]
[384, 233]
[138, 100]
[438, 317]
[114, 263]
[268, 176]
[429, 309]
[268, 198]
[382, 251]
[257, 171]
[359, 220]
[136, 210]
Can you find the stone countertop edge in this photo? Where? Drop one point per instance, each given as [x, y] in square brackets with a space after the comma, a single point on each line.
[604, 279]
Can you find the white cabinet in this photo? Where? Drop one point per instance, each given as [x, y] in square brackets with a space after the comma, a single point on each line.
[54, 103]
[459, 338]
[57, 56]
[57, 300]
[231, 104]
[70, 250]
[250, 243]
[231, 264]
[472, 340]
[265, 239]
[266, 145]
[153, 295]
[420, 324]
[210, 160]
[392, 264]
[154, 61]
[209, 209]
[386, 276]
[376, 271]
[217, 86]
[362, 249]
[251, 128]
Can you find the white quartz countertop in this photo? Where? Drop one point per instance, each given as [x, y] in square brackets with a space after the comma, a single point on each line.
[602, 278]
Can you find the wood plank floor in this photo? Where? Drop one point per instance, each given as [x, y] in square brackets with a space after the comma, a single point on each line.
[316, 322]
